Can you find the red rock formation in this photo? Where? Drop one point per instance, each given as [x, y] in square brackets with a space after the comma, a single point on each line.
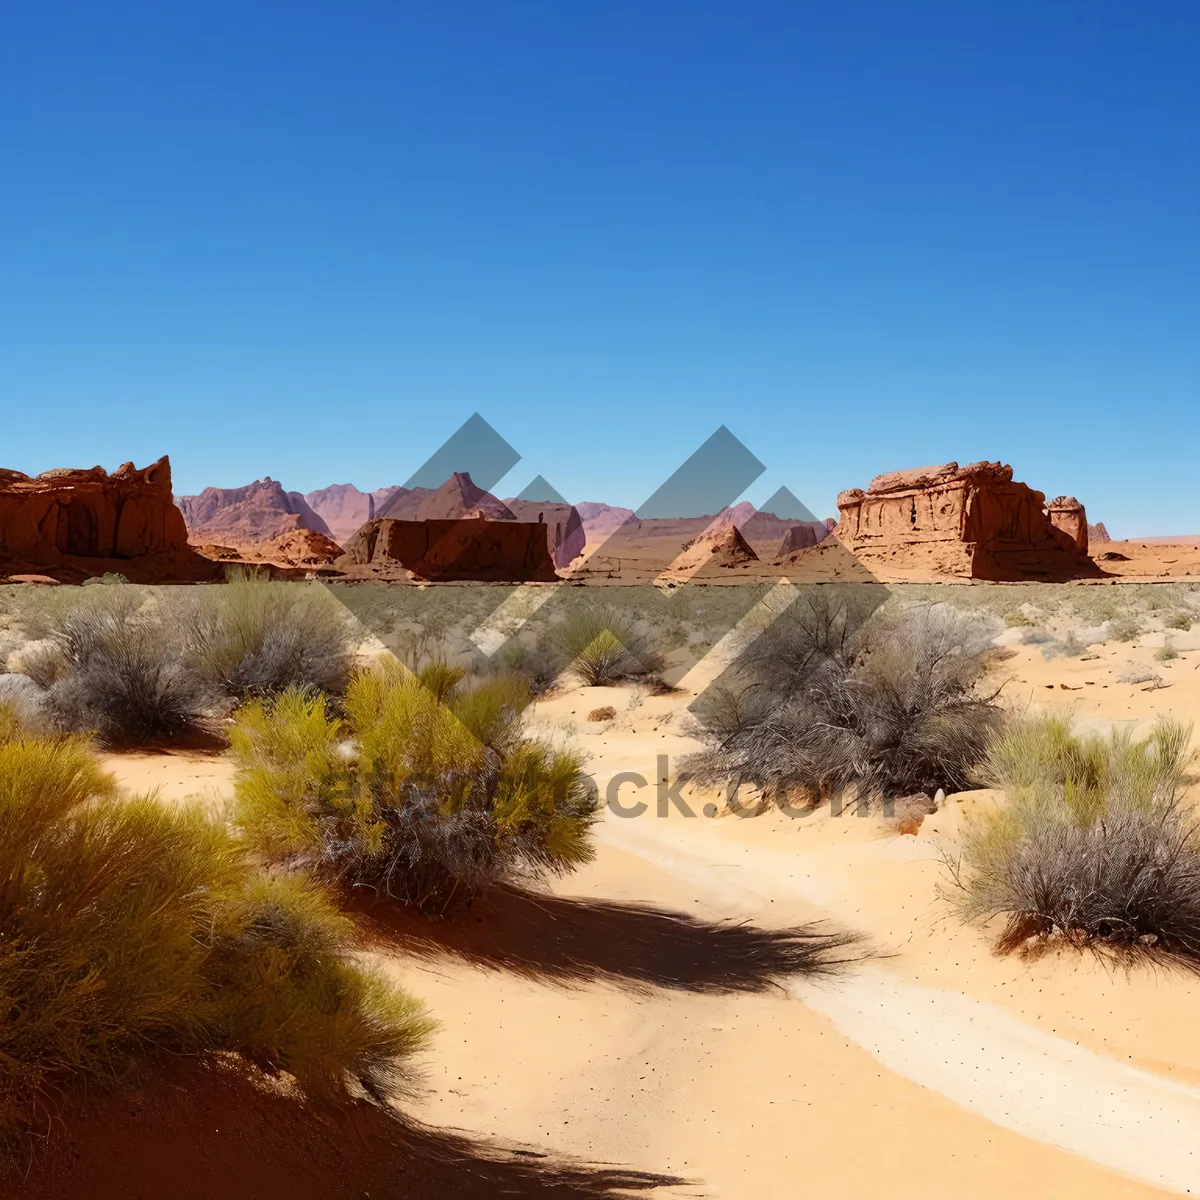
[971, 522]
[248, 515]
[478, 549]
[1067, 515]
[75, 524]
[458, 498]
[301, 548]
[564, 529]
[802, 535]
[345, 509]
[1097, 534]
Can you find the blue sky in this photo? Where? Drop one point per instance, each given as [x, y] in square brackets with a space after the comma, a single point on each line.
[309, 240]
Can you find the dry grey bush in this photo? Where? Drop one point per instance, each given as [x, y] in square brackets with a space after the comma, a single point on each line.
[837, 696]
[1095, 844]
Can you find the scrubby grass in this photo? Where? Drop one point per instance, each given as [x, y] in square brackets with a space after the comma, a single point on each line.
[425, 795]
[602, 646]
[1166, 652]
[1094, 844]
[113, 668]
[835, 697]
[1125, 628]
[133, 665]
[1179, 619]
[129, 929]
[254, 638]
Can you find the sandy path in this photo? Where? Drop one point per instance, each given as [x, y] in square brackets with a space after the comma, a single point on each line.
[974, 1053]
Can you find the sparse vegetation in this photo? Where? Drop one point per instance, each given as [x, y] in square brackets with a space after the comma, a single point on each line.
[1094, 845]
[1179, 619]
[602, 646]
[133, 665]
[423, 799]
[115, 669]
[1166, 652]
[129, 928]
[250, 638]
[1125, 628]
[835, 696]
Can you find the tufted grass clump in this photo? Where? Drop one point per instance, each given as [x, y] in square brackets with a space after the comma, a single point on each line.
[131, 929]
[1166, 652]
[252, 638]
[602, 646]
[424, 794]
[1094, 843]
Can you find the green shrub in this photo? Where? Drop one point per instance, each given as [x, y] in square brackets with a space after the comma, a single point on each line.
[426, 800]
[129, 928]
[1093, 844]
[601, 646]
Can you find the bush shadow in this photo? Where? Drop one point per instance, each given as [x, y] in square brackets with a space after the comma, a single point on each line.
[579, 940]
[199, 1132]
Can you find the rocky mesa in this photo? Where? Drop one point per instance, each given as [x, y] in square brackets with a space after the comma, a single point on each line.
[972, 522]
[74, 524]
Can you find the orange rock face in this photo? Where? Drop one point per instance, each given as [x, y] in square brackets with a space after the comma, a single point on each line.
[473, 548]
[78, 523]
[971, 522]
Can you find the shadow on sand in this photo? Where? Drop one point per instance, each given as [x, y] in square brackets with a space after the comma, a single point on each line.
[579, 940]
[211, 1133]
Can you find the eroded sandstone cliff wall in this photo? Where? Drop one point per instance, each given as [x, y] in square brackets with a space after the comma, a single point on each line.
[972, 522]
[77, 523]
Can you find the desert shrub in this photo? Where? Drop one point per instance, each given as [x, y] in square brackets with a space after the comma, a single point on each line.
[1016, 619]
[836, 696]
[130, 928]
[24, 700]
[426, 800]
[1166, 652]
[114, 668]
[532, 663]
[602, 646]
[1179, 619]
[253, 638]
[1093, 845]
[1125, 627]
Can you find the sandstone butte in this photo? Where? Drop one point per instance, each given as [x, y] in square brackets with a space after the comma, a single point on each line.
[474, 548]
[973, 522]
[72, 524]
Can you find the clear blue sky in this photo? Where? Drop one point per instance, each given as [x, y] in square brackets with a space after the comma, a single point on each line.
[308, 240]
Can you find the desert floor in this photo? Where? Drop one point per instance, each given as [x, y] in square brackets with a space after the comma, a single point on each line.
[581, 1024]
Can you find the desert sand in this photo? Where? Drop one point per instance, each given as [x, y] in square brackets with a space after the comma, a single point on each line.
[932, 1067]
